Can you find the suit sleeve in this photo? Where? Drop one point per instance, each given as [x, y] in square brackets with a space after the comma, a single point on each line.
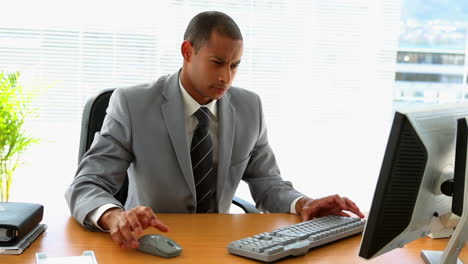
[103, 168]
[270, 192]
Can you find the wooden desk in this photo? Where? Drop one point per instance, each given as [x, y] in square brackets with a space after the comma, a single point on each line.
[195, 233]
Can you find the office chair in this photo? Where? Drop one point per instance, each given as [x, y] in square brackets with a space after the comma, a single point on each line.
[93, 117]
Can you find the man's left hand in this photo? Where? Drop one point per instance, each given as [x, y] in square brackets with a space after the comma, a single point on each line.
[309, 208]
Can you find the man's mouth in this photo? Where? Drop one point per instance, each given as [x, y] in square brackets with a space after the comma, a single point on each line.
[220, 90]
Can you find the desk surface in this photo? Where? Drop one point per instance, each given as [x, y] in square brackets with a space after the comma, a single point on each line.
[195, 233]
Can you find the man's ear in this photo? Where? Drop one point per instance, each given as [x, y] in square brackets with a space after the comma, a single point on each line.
[187, 50]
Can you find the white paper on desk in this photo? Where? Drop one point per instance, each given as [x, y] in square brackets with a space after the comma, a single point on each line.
[86, 258]
[68, 260]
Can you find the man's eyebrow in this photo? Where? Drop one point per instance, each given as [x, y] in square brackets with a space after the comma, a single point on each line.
[222, 60]
[218, 58]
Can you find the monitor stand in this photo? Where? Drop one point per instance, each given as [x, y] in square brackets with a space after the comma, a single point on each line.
[456, 243]
[448, 224]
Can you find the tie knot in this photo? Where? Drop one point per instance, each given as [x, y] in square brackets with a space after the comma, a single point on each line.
[203, 117]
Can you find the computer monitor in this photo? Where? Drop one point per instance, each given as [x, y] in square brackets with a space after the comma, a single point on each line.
[408, 202]
[456, 186]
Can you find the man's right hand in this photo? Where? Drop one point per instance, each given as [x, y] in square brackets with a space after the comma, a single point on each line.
[124, 226]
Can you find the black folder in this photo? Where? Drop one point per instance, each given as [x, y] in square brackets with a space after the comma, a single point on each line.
[17, 220]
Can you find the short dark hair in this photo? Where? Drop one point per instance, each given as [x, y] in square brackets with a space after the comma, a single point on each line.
[202, 25]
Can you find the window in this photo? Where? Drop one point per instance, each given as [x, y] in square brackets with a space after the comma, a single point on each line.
[432, 78]
[433, 43]
[430, 58]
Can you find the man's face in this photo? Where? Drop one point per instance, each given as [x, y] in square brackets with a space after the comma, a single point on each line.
[211, 70]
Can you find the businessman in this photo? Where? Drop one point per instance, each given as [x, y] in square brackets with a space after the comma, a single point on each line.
[186, 141]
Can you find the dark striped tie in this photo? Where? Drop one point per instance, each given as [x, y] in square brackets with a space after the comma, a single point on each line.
[201, 153]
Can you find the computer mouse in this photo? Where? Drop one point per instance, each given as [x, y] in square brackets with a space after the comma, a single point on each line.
[159, 245]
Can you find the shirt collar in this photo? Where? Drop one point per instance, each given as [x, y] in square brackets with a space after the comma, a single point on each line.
[191, 106]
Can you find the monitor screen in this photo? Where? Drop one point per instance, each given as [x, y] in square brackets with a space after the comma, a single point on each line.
[419, 157]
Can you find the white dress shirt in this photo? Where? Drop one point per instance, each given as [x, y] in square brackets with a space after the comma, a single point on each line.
[191, 122]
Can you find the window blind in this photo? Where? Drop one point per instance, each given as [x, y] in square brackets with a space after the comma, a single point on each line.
[324, 70]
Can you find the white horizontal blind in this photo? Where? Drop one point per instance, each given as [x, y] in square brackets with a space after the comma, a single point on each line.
[337, 89]
[75, 63]
[324, 71]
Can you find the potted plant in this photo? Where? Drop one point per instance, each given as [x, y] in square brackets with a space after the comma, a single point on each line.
[13, 139]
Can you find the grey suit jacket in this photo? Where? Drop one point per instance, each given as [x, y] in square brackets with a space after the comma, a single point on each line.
[144, 134]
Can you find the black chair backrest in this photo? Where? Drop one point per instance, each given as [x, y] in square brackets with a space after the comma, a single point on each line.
[96, 116]
[93, 117]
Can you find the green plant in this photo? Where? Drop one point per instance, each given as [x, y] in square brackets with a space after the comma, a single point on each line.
[14, 108]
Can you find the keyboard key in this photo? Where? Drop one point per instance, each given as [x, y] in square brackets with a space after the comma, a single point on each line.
[274, 250]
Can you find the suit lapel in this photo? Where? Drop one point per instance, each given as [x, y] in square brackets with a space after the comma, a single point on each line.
[174, 118]
[227, 124]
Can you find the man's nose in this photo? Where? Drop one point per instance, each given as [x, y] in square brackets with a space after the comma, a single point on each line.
[225, 75]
